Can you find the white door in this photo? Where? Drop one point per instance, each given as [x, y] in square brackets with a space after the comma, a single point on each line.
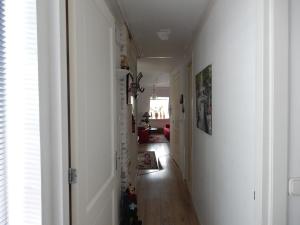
[92, 113]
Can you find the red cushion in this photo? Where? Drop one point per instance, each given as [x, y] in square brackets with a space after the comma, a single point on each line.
[167, 132]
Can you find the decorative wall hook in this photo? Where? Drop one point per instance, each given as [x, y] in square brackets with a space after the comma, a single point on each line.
[134, 86]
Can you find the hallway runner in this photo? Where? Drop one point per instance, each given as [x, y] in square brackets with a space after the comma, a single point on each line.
[157, 138]
[147, 161]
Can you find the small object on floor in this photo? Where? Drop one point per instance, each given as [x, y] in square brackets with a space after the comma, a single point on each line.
[129, 207]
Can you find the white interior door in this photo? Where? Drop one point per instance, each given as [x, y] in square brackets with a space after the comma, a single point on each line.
[93, 112]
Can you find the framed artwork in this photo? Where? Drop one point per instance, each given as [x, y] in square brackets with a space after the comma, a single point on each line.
[204, 100]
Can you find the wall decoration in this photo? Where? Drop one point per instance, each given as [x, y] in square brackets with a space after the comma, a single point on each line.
[128, 92]
[182, 103]
[133, 85]
[204, 99]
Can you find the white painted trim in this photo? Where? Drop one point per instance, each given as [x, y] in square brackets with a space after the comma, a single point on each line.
[52, 54]
[259, 111]
[272, 112]
[280, 65]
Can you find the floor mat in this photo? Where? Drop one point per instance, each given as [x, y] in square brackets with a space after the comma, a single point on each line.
[157, 138]
[147, 161]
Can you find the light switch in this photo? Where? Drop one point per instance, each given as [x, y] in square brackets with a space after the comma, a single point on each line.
[294, 186]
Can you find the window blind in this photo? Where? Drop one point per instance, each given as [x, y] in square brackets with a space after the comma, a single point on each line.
[22, 121]
[3, 180]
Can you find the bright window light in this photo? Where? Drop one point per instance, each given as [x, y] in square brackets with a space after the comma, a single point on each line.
[23, 137]
[159, 108]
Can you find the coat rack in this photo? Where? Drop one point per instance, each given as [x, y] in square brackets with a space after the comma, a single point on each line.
[134, 87]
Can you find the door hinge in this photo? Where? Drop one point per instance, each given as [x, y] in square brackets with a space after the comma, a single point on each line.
[72, 176]
[254, 195]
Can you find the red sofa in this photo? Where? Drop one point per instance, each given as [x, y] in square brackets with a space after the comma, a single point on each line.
[143, 134]
[167, 131]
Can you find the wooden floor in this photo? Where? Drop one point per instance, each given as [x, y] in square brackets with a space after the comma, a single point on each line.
[163, 198]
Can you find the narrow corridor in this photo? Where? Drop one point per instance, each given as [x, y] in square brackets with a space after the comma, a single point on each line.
[163, 198]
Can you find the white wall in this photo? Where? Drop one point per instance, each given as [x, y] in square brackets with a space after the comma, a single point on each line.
[143, 103]
[223, 164]
[177, 119]
[294, 146]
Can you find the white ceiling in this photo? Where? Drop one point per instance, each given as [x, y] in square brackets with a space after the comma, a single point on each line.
[177, 19]
[162, 28]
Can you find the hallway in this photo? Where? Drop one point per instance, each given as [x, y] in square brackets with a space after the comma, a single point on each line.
[205, 74]
[163, 198]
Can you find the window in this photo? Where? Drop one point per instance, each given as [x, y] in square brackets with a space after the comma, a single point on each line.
[3, 163]
[159, 108]
[20, 169]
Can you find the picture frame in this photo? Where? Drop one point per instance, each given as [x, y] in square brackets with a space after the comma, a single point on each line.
[204, 100]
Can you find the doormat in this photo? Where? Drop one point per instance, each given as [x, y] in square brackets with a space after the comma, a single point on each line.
[157, 138]
[147, 161]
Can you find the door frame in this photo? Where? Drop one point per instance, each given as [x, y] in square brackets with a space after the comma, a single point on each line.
[189, 112]
[272, 112]
[53, 98]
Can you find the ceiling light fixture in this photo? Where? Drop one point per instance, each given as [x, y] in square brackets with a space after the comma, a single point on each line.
[164, 34]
